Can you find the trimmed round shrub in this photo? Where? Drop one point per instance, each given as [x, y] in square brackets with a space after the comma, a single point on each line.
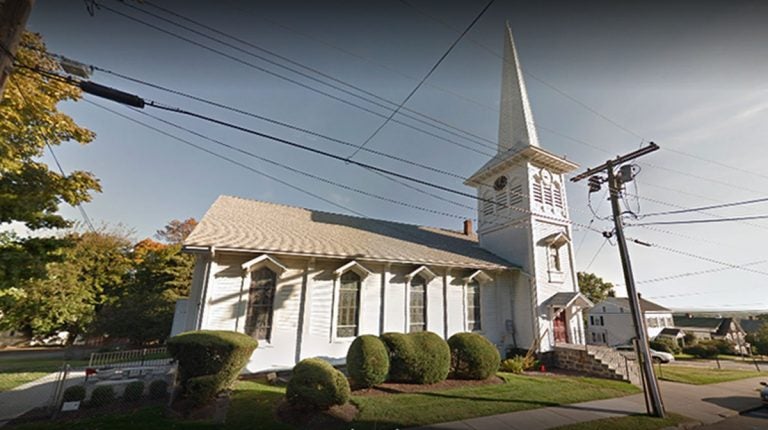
[134, 391]
[201, 389]
[102, 396]
[75, 393]
[472, 356]
[421, 358]
[317, 384]
[158, 389]
[367, 361]
[218, 353]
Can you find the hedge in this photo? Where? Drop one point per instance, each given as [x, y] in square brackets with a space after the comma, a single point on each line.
[367, 361]
[665, 344]
[218, 354]
[421, 358]
[701, 350]
[134, 391]
[75, 393]
[472, 356]
[102, 396]
[317, 384]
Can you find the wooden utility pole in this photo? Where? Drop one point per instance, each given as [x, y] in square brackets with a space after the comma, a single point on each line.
[13, 19]
[615, 187]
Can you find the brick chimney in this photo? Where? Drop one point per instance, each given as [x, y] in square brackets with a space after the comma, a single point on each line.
[468, 230]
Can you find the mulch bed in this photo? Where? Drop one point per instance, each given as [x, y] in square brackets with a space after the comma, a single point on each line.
[311, 419]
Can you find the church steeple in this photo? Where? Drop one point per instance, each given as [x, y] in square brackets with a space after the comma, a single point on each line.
[516, 127]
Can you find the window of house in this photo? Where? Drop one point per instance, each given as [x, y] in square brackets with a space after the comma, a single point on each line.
[554, 259]
[603, 335]
[417, 307]
[349, 305]
[601, 320]
[261, 299]
[653, 322]
[591, 320]
[473, 306]
[594, 337]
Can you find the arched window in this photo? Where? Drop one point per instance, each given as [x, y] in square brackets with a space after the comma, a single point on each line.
[349, 305]
[261, 301]
[473, 306]
[417, 306]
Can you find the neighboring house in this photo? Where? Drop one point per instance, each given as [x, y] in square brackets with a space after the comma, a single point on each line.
[610, 321]
[752, 325]
[705, 328]
[305, 282]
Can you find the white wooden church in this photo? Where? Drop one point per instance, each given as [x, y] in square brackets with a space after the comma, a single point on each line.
[305, 282]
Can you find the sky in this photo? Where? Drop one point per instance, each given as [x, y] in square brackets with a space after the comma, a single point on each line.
[603, 79]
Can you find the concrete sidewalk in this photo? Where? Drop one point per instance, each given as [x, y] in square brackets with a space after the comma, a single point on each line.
[706, 404]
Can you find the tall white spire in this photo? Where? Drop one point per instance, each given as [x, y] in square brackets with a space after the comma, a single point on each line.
[516, 128]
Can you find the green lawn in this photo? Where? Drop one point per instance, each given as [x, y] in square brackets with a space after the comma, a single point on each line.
[633, 422]
[16, 372]
[253, 404]
[701, 376]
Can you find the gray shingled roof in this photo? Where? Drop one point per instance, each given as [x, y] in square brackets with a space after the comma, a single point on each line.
[242, 224]
[645, 305]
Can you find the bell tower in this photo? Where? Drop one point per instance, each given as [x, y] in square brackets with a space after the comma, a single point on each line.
[523, 212]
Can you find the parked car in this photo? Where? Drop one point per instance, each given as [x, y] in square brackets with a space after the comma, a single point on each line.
[764, 393]
[656, 356]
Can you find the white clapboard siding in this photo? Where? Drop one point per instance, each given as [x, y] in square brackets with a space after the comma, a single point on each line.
[370, 305]
[456, 307]
[435, 321]
[395, 300]
[321, 290]
[223, 308]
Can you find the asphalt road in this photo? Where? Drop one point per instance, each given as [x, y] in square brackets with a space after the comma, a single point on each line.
[752, 420]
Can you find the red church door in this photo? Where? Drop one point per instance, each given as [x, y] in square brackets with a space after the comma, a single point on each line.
[560, 331]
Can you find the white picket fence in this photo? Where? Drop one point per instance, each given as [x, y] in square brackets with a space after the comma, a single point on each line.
[130, 358]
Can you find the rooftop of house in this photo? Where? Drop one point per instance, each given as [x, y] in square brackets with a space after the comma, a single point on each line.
[752, 325]
[645, 305]
[239, 224]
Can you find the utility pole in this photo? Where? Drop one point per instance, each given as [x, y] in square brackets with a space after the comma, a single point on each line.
[615, 186]
[13, 19]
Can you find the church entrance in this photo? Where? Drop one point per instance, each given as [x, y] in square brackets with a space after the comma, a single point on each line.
[559, 328]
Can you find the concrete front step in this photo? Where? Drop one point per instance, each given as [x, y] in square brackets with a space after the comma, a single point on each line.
[596, 361]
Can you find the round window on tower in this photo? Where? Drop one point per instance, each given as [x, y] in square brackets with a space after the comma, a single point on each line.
[500, 183]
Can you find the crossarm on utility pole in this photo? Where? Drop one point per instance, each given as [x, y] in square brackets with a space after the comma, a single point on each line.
[651, 386]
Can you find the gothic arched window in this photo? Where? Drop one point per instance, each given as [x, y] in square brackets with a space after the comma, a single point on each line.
[349, 305]
[261, 301]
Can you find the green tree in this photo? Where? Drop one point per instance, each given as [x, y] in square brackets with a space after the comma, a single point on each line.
[87, 275]
[594, 287]
[30, 193]
[759, 340]
[144, 311]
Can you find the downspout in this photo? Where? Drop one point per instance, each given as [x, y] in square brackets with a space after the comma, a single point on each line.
[303, 307]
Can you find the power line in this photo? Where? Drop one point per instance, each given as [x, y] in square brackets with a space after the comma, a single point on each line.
[707, 259]
[80, 207]
[581, 103]
[596, 254]
[291, 80]
[701, 221]
[305, 67]
[697, 273]
[704, 208]
[421, 82]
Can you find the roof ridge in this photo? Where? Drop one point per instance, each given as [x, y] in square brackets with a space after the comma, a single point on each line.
[458, 232]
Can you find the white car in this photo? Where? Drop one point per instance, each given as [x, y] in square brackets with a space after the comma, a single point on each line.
[656, 356]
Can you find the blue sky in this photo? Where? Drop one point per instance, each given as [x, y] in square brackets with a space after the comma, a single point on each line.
[690, 76]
